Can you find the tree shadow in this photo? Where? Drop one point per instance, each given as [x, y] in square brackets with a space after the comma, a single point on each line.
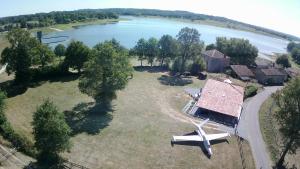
[88, 118]
[197, 143]
[153, 69]
[170, 80]
[11, 89]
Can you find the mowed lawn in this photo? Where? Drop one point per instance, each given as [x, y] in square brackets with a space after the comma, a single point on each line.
[136, 133]
[272, 136]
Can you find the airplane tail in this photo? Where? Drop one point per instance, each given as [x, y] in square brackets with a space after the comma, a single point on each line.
[201, 124]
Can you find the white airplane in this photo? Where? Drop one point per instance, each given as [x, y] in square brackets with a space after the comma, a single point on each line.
[201, 137]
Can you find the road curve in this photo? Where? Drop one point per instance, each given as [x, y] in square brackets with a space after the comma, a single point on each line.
[250, 128]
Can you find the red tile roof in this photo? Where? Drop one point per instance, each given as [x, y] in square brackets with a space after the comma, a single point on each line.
[222, 97]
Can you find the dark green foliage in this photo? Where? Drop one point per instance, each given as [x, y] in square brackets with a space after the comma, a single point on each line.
[42, 55]
[292, 45]
[288, 116]
[240, 51]
[51, 133]
[19, 55]
[296, 54]
[176, 65]
[76, 55]
[139, 49]
[60, 50]
[250, 91]
[211, 46]
[107, 71]
[283, 60]
[197, 67]
[19, 141]
[168, 49]
[48, 19]
[189, 44]
[152, 50]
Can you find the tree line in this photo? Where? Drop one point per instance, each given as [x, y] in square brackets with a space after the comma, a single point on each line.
[48, 19]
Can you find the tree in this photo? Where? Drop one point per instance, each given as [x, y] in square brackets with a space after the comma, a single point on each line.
[18, 55]
[151, 50]
[240, 51]
[51, 133]
[211, 46]
[190, 45]
[42, 54]
[296, 54]
[76, 55]
[106, 72]
[60, 50]
[292, 45]
[168, 47]
[288, 116]
[139, 49]
[198, 66]
[283, 60]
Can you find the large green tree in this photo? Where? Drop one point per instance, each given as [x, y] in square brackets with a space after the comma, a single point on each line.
[42, 54]
[292, 45]
[19, 55]
[288, 116]
[152, 50]
[51, 133]
[190, 45]
[240, 51]
[106, 72]
[283, 60]
[60, 50]
[296, 54]
[139, 50]
[168, 47]
[76, 55]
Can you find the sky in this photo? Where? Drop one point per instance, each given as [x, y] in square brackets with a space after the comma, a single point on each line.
[280, 15]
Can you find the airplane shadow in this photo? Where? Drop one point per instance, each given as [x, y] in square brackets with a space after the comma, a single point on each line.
[197, 143]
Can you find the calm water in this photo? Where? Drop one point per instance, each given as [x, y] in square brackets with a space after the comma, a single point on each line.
[128, 33]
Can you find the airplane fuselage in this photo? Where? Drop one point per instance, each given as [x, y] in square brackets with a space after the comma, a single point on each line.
[206, 142]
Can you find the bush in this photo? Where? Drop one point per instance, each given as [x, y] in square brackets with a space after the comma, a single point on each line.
[250, 91]
[47, 72]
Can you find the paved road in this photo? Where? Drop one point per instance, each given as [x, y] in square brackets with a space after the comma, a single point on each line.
[249, 128]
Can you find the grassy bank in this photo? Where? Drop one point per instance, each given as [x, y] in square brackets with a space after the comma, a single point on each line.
[62, 27]
[135, 133]
[270, 131]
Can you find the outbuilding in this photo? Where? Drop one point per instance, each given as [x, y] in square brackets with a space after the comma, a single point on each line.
[270, 76]
[242, 72]
[215, 60]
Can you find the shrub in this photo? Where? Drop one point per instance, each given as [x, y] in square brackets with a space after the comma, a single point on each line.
[283, 60]
[197, 67]
[250, 91]
[47, 72]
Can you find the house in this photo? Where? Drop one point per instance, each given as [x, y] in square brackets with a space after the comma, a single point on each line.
[270, 76]
[242, 72]
[221, 101]
[215, 60]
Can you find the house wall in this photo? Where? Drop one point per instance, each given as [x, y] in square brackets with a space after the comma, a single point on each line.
[216, 64]
[264, 79]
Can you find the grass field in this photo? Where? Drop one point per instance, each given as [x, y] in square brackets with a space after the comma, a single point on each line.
[271, 135]
[3, 42]
[136, 133]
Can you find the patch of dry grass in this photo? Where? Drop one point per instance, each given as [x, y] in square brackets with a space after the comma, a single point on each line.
[136, 133]
[271, 134]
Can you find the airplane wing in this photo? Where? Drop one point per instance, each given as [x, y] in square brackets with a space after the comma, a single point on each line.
[188, 138]
[216, 136]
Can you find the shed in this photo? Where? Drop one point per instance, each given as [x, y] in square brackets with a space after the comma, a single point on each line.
[242, 72]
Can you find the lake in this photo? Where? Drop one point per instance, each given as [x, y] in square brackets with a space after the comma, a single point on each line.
[129, 31]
